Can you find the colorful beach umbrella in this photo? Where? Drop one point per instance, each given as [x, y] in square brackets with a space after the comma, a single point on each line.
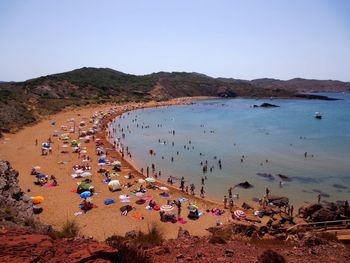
[85, 194]
[37, 199]
[166, 208]
[86, 174]
[239, 214]
[150, 180]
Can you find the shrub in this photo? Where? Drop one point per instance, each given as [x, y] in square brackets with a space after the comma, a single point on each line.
[69, 229]
[154, 237]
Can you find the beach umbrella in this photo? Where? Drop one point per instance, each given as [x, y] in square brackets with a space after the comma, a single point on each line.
[182, 199]
[37, 199]
[79, 171]
[40, 176]
[166, 208]
[64, 146]
[139, 194]
[36, 167]
[46, 145]
[84, 186]
[239, 214]
[101, 160]
[163, 188]
[124, 196]
[150, 180]
[141, 181]
[86, 174]
[85, 194]
[116, 163]
[192, 207]
[83, 151]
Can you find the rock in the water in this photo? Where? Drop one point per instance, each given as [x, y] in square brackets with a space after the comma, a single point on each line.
[266, 105]
[245, 185]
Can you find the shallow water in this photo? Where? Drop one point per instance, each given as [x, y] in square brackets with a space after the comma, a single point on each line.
[231, 128]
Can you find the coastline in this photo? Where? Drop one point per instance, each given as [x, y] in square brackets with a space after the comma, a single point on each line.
[60, 204]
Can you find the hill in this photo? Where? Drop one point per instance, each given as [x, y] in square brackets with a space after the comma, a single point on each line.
[24, 102]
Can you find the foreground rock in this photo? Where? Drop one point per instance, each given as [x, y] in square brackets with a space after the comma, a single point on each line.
[16, 209]
[194, 249]
[24, 246]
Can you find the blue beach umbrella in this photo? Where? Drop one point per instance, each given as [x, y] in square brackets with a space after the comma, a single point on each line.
[101, 160]
[40, 176]
[85, 194]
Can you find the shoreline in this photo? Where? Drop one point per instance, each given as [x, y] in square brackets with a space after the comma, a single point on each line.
[61, 204]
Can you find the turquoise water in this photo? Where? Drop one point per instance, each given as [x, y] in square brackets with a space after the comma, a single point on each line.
[231, 128]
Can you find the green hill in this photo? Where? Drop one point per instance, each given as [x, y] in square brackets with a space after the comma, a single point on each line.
[25, 102]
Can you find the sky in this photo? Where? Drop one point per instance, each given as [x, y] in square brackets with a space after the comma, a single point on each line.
[244, 39]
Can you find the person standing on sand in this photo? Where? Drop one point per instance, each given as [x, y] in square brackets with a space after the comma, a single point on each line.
[230, 192]
[178, 204]
[192, 189]
[319, 198]
[202, 192]
[202, 179]
[36, 142]
[182, 183]
[231, 204]
[225, 202]
[186, 189]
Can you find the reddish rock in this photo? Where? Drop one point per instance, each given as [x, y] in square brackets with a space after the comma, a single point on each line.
[19, 245]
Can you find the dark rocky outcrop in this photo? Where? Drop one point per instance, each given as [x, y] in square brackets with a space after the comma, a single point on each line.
[16, 209]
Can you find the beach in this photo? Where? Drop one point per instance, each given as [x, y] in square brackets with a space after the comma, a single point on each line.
[61, 204]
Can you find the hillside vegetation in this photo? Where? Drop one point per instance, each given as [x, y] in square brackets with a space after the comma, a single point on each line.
[25, 102]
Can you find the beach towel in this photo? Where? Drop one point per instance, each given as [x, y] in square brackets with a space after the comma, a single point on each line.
[73, 190]
[182, 199]
[49, 185]
[182, 220]
[165, 195]
[109, 201]
[78, 213]
[137, 216]
[124, 196]
[147, 197]
[125, 200]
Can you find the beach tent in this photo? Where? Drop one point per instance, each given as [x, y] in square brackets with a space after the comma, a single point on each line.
[114, 185]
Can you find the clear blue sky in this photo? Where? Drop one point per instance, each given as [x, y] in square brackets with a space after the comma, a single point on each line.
[240, 39]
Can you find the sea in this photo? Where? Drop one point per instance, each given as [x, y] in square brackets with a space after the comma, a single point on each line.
[253, 144]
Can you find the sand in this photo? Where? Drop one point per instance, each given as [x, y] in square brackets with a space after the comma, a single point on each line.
[61, 204]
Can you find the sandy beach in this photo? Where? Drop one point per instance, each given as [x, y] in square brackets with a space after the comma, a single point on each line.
[61, 203]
